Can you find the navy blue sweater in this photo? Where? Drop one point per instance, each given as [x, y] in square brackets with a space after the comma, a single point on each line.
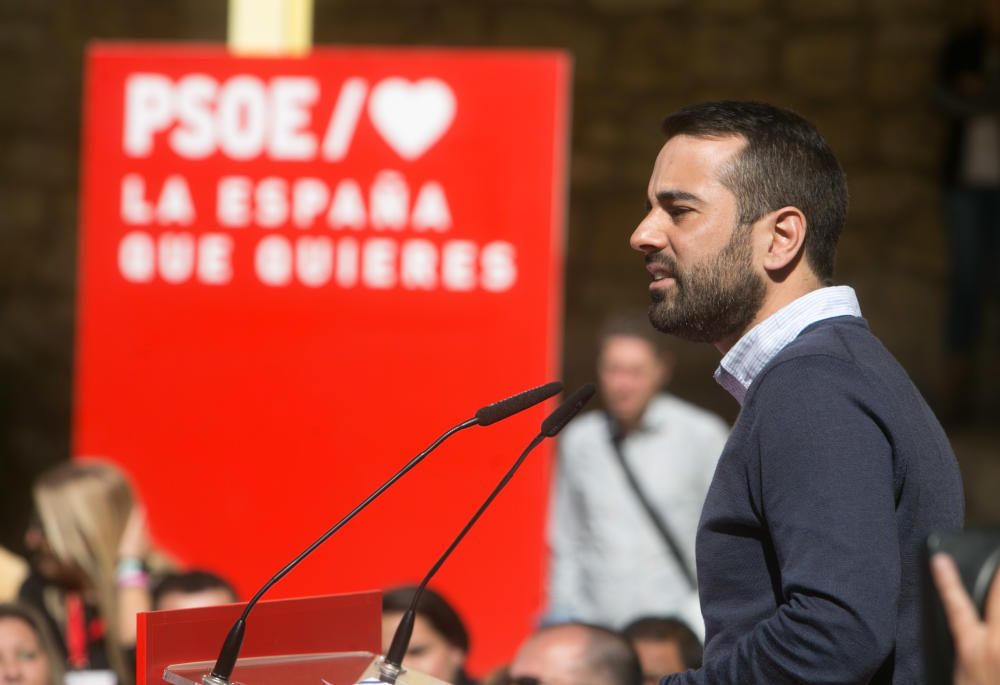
[808, 548]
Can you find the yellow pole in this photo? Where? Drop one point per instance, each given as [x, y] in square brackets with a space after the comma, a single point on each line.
[272, 28]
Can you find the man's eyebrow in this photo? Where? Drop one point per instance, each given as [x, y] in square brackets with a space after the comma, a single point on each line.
[668, 196]
[676, 195]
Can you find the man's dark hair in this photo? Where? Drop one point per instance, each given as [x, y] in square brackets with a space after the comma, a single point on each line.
[188, 582]
[667, 629]
[786, 162]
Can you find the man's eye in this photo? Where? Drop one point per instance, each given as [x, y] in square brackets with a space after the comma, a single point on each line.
[677, 212]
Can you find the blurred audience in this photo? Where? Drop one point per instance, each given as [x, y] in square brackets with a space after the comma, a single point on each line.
[28, 656]
[440, 642]
[969, 95]
[629, 489]
[664, 645]
[575, 653]
[90, 558]
[499, 676]
[192, 589]
[977, 642]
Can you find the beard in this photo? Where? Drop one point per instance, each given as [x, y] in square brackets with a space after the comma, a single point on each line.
[711, 301]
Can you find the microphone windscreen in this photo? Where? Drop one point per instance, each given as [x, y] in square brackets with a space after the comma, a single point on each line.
[498, 411]
[565, 412]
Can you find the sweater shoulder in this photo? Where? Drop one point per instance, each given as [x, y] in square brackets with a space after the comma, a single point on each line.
[827, 354]
[836, 337]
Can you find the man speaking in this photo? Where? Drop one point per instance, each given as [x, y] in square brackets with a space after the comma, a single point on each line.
[808, 548]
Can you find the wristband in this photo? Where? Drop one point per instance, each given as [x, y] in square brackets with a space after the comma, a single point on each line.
[128, 565]
[139, 579]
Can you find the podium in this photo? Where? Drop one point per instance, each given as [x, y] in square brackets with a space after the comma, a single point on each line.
[328, 640]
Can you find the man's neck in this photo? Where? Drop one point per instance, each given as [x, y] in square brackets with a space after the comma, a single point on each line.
[626, 427]
[779, 296]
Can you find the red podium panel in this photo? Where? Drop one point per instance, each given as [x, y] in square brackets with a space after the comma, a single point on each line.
[335, 623]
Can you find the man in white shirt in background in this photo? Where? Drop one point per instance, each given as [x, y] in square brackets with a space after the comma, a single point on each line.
[609, 563]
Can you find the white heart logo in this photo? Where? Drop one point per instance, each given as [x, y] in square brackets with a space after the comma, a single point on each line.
[411, 117]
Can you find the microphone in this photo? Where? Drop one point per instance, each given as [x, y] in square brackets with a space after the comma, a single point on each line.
[498, 411]
[487, 415]
[391, 666]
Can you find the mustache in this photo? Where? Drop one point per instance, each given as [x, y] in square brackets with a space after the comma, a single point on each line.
[666, 262]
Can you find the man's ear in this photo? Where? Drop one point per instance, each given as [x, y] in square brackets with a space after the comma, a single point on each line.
[786, 236]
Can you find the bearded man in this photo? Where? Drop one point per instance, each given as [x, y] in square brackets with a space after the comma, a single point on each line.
[808, 547]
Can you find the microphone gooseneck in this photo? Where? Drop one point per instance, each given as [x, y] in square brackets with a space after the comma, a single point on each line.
[226, 662]
[391, 665]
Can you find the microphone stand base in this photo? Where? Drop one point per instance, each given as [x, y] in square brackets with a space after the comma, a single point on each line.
[209, 679]
[387, 672]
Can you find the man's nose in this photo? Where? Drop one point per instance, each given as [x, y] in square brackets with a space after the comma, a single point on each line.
[648, 236]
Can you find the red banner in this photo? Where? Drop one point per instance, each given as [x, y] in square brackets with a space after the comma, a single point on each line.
[294, 275]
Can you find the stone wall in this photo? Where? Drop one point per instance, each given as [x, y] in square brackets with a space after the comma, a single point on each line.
[862, 69]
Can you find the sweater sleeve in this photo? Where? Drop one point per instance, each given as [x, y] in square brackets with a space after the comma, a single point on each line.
[822, 475]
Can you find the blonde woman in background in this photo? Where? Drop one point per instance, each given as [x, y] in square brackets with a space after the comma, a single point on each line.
[28, 655]
[90, 564]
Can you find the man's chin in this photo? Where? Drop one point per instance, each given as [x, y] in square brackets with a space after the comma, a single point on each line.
[662, 318]
[665, 320]
[626, 417]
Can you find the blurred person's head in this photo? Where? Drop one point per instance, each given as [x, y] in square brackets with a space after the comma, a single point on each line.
[80, 513]
[439, 643]
[632, 366]
[192, 589]
[664, 645]
[81, 509]
[27, 654]
[575, 654]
